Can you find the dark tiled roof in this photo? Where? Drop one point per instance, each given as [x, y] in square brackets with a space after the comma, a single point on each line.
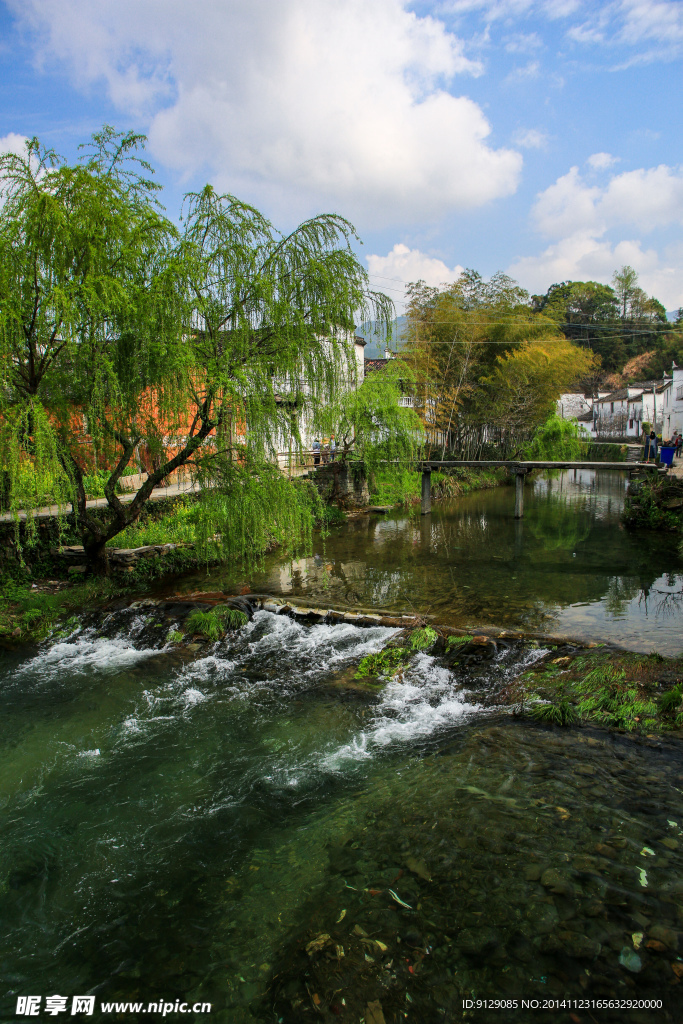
[360, 341]
[375, 364]
[614, 396]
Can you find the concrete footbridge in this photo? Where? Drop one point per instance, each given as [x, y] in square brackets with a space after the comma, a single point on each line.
[520, 469]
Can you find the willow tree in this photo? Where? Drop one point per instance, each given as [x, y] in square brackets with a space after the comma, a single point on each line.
[118, 332]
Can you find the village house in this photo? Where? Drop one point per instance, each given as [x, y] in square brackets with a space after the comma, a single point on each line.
[620, 414]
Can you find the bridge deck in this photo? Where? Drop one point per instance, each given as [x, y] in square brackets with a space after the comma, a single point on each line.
[519, 465]
[519, 469]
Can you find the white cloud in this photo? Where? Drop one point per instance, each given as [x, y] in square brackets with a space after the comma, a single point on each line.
[530, 138]
[652, 27]
[497, 10]
[635, 23]
[392, 272]
[659, 20]
[531, 69]
[13, 143]
[296, 103]
[579, 218]
[648, 199]
[524, 43]
[582, 257]
[601, 161]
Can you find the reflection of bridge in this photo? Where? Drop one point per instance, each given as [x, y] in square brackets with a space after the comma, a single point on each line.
[520, 469]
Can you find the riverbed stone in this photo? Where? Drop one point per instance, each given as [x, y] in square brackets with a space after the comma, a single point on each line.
[542, 917]
[667, 936]
[630, 960]
[585, 863]
[581, 947]
[474, 941]
[557, 882]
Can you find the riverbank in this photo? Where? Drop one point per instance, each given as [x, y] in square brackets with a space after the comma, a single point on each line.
[404, 488]
[34, 597]
[656, 504]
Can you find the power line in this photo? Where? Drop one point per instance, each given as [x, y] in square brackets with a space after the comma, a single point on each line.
[532, 323]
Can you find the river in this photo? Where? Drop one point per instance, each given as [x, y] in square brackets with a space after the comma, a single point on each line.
[230, 825]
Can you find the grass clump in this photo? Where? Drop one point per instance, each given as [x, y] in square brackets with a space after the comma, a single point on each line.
[423, 639]
[609, 698]
[174, 636]
[384, 663]
[213, 624]
[454, 641]
[179, 526]
[671, 705]
[28, 612]
[560, 711]
[387, 662]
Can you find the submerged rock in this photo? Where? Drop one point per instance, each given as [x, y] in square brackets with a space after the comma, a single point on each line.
[474, 941]
[557, 882]
[630, 960]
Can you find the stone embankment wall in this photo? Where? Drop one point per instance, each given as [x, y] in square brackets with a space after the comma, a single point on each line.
[47, 535]
[343, 483]
[119, 558]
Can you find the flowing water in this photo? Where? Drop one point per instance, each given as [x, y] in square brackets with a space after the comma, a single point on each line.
[568, 566]
[233, 824]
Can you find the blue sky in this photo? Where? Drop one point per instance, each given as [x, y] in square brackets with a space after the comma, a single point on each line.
[539, 137]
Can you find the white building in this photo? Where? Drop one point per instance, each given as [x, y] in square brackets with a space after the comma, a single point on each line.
[572, 405]
[620, 414]
[671, 414]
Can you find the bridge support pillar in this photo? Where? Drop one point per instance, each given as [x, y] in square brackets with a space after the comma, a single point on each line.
[519, 495]
[426, 506]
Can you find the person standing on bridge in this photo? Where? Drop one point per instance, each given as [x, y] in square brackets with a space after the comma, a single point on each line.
[651, 446]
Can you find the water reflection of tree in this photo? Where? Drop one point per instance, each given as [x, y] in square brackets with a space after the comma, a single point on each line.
[663, 604]
[620, 592]
[560, 525]
[471, 561]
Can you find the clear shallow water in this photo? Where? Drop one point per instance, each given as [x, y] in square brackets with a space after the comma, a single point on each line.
[181, 825]
[569, 566]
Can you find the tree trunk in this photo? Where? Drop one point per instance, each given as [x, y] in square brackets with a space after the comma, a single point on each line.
[97, 556]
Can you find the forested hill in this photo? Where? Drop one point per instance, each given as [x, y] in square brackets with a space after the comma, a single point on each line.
[628, 329]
